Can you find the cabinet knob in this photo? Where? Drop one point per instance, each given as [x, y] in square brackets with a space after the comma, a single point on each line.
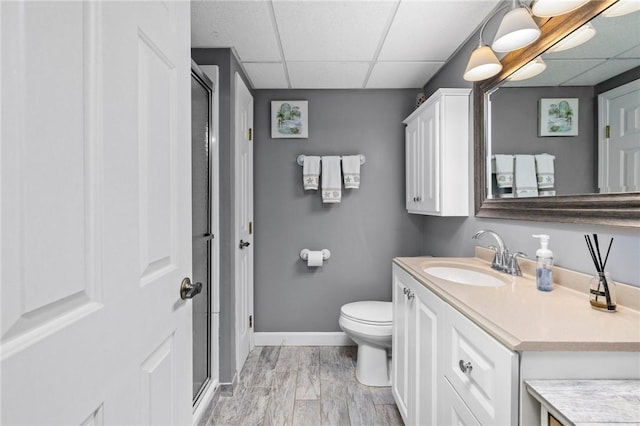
[405, 291]
[465, 366]
[410, 295]
[418, 199]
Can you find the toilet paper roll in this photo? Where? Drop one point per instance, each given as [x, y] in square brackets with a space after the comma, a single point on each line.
[314, 258]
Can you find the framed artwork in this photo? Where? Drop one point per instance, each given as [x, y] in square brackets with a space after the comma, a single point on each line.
[290, 119]
[558, 117]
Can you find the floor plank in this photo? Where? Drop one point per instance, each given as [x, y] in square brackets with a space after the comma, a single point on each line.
[388, 415]
[306, 413]
[266, 367]
[362, 411]
[308, 386]
[282, 401]
[334, 412]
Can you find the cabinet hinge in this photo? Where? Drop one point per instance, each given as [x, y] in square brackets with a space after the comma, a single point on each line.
[250, 321]
[250, 228]
[607, 131]
[250, 134]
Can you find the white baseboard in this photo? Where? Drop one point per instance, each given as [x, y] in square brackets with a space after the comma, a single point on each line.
[337, 338]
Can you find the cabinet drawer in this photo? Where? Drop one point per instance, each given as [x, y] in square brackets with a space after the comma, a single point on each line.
[481, 370]
[453, 410]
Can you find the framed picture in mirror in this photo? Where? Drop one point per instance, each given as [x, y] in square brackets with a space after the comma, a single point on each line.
[558, 117]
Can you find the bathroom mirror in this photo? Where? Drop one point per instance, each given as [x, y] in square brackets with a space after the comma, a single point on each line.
[578, 204]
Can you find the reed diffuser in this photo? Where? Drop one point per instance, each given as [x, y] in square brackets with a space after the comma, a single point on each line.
[602, 292]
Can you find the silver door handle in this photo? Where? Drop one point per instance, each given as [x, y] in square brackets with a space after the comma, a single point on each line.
[189, 290]
[244, 244]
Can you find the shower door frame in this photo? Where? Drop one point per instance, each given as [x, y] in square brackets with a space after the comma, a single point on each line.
[207, 391]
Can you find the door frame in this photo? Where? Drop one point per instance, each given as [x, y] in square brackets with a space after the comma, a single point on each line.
[210, 76]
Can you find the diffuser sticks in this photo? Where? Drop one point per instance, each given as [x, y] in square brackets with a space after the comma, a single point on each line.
[601, 285]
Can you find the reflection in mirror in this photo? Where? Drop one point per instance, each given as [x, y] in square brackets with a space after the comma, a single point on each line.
[589, 124]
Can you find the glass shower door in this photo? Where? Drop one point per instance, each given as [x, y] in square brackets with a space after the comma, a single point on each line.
[201, 222]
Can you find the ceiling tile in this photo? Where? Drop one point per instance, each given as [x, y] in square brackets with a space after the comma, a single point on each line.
[432, 30]
[402, 75]
[266, 75]
[603, 71]
[331, 30]
[236, 24]
[327, 75]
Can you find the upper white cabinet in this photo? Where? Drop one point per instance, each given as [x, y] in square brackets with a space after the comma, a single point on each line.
[437, 155]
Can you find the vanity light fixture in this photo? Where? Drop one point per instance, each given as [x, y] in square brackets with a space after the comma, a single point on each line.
[530, 70]
[549, 8]
[622, 7]
[576, 38]
[517, 29]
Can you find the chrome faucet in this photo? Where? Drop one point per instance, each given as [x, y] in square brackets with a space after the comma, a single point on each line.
[502, 260]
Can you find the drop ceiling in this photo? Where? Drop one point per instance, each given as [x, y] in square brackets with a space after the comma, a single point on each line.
[331, 44]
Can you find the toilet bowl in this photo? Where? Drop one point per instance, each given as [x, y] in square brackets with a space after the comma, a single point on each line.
[368, 324]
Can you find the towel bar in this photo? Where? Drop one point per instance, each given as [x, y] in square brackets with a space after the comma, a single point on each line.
[300, 159]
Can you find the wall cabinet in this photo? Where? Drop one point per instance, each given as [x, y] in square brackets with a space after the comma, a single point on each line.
[445, 369]
[437, 155]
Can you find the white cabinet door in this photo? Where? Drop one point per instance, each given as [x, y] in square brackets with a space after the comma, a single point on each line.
[415, 170]
[452, 411]
[428, 310]
[400, 344]
[96, 213]
[430, 122]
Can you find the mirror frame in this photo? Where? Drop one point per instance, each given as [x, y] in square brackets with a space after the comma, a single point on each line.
[622, 209]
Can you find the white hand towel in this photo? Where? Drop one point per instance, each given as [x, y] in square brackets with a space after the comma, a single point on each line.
[544, 170]
[504, 170]
[525, 179]
[351, 171]
[310, 172]
[331, 182]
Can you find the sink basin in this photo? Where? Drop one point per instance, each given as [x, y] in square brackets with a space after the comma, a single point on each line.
[464, 276]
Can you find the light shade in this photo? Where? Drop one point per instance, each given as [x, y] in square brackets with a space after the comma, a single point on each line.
[517, 30]
[576, 38]
[482, 64]
[529, 70]
[622, 7]
[548, 8]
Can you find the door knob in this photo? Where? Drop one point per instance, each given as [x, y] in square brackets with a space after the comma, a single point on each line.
[188, 290]
[244, 244]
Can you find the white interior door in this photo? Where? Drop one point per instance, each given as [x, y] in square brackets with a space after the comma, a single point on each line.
[95, 213]
[244, 221]
[619, 147]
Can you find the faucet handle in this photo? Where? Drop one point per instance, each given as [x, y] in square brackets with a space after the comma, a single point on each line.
[514, 268]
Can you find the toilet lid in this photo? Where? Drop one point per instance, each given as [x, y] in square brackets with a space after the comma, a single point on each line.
[380, 313]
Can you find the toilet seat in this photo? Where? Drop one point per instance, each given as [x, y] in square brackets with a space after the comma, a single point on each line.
[368, 313]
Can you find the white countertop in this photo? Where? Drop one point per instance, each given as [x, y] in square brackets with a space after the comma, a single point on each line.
[526, 319]
[589, 402]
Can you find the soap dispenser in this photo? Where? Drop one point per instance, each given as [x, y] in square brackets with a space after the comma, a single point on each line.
[544, 262]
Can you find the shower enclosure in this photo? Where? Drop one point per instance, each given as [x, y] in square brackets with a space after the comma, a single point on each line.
[201, 124]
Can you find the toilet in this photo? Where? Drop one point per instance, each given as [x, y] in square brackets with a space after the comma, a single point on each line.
[369, 325]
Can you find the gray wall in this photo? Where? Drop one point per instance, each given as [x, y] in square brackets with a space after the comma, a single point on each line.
[228, 66]
[364, 232]
[515, 131]
[452, 236]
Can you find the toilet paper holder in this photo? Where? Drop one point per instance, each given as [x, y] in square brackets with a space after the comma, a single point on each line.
[304, 254]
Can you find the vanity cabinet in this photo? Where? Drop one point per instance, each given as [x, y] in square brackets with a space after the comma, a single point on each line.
[445, 369]
[437, 155]
[416, 316]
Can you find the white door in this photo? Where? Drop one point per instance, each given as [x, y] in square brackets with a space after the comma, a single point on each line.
[95, 213]
[619, 153]
[244, 221]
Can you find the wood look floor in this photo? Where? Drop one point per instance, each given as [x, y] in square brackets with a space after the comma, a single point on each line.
[304, 385]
